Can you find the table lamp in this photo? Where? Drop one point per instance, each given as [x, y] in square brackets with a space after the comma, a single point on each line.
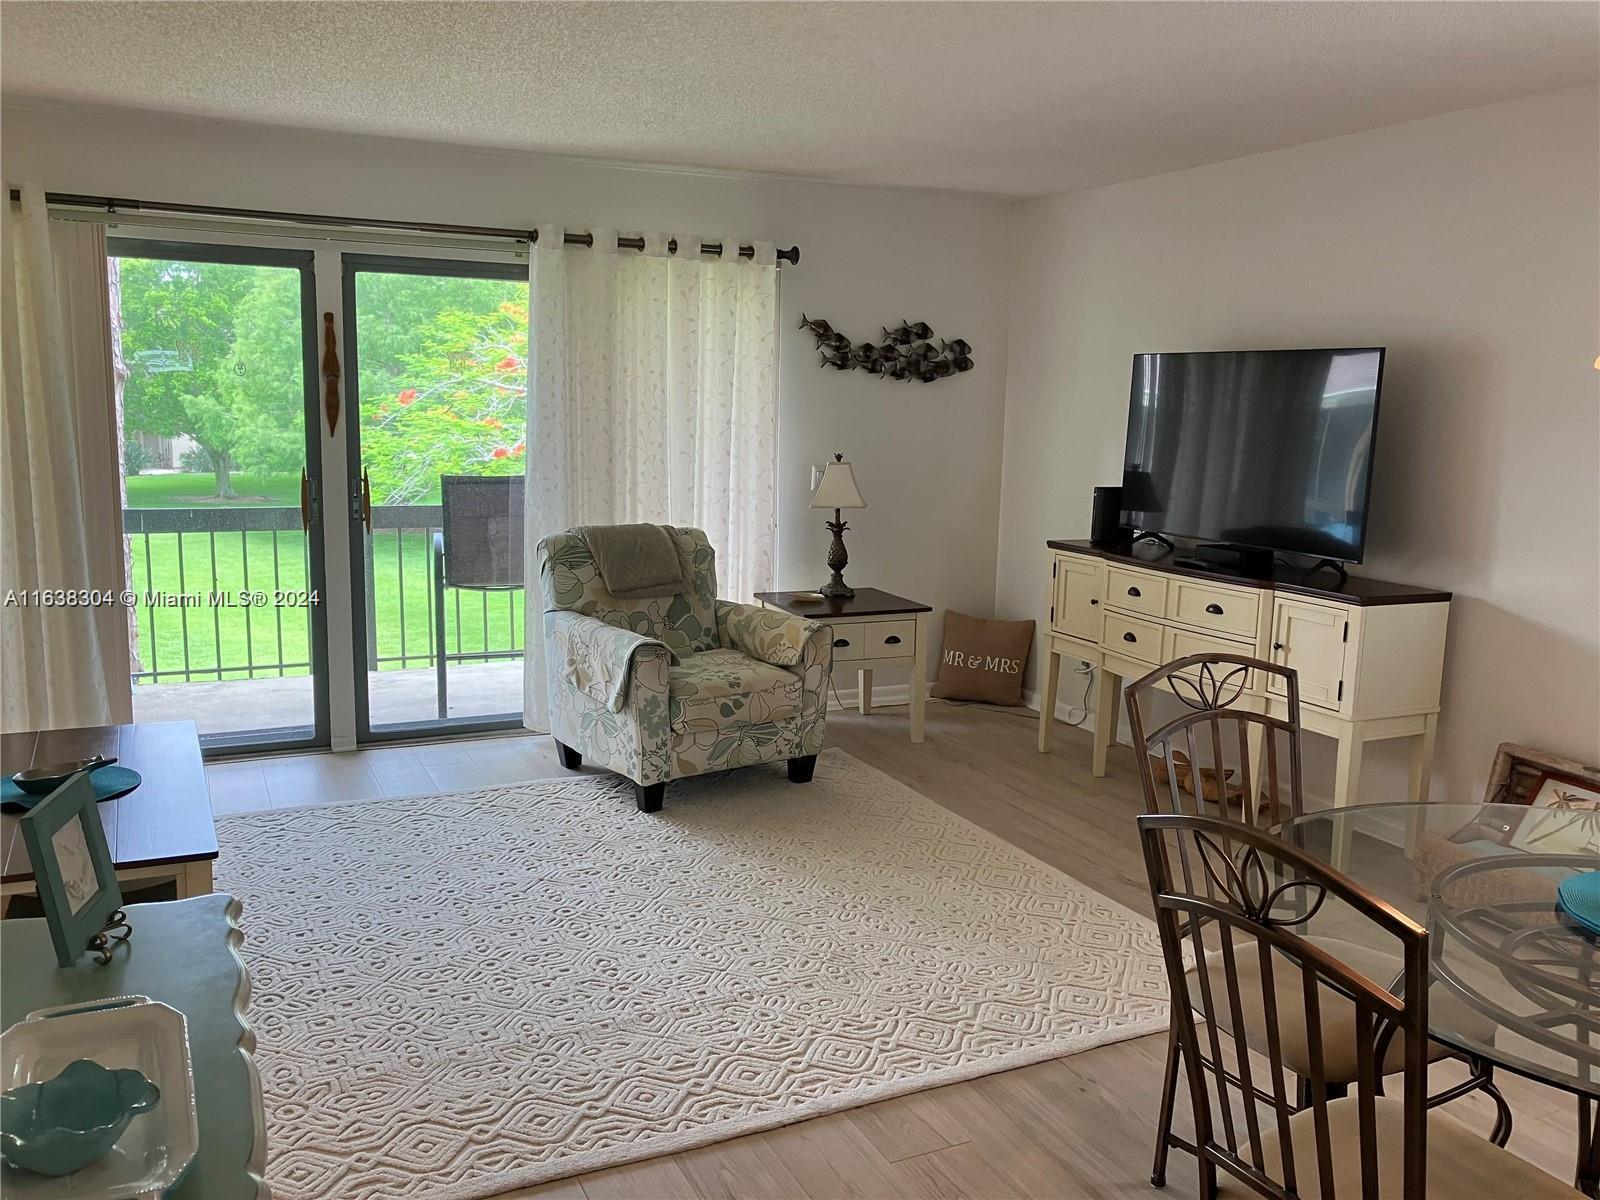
[837, 490]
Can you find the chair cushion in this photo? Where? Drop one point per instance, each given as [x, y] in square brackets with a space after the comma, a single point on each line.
[1339, 1057]
[717, 688]
[1461, 1163]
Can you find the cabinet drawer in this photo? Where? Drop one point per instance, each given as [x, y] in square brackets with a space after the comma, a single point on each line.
[1135, 591]
[888, 639]
[1133, 638]
[1221, 609]
[1181, 643]
[848, 641]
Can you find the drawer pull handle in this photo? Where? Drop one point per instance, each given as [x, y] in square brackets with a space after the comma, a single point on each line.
[1277, 645]
[1133, 591]
[1094, 602]
[1128, 637]
[841, 641]
[892, 640]
[1214, 609]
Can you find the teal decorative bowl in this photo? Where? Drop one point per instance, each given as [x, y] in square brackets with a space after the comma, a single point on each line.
[1579, 895]
[65, 1123]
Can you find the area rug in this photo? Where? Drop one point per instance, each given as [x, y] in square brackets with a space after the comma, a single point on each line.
[457, 995]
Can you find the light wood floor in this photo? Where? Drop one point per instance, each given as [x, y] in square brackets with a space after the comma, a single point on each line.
[1076, 1127]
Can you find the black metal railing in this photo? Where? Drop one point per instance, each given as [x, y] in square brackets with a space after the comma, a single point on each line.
[189, 568]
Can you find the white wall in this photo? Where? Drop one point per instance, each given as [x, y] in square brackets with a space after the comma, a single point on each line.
[1465, 243]
[927, 456]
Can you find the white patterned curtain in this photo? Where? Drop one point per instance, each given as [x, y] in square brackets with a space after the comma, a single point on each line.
[652, 397]
[65, 665]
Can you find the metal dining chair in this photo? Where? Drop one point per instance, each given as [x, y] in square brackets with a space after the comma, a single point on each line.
[1255, 894]
[1223, 757]
[478, 547]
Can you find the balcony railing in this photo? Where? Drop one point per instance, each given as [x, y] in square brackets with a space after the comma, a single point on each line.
[182, 561]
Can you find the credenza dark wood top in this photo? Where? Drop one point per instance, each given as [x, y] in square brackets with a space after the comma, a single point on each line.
[867, 602]
[166, 819]
[1325, 583]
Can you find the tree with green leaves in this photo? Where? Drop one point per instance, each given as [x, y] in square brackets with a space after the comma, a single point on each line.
[213, 353]
[443, 365]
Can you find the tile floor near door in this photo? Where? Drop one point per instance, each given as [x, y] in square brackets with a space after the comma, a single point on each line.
[1076, 1127]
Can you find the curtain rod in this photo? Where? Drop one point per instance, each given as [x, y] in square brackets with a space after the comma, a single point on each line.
[115, 204]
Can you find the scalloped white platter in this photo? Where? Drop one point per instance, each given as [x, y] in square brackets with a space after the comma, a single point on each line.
[128, 1031]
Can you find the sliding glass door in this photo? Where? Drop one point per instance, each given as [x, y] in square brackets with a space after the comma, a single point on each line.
[216, 371]
[436, 382]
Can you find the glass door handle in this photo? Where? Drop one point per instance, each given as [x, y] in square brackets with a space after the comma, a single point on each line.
[305, 500]
[366, 500]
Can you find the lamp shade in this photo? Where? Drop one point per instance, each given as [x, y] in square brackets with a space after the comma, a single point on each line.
[838, 487]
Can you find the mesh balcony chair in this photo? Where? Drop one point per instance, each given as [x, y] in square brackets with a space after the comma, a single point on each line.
[1223, 883]
[1217, 756]
[479, 548]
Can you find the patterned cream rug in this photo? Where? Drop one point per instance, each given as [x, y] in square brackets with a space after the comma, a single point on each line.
[457, 995]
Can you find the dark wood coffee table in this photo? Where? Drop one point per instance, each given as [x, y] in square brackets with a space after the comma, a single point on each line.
[160, 830]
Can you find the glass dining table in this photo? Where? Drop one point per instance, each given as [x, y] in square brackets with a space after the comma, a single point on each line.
[1483, 879]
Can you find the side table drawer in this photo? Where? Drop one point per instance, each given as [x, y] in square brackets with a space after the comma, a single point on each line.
[848, 640]
[888, 639]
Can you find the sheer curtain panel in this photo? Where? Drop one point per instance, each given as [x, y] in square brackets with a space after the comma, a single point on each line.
[652, 397]
[64, 664]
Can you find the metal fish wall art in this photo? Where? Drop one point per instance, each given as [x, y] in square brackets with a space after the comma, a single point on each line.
[904, 353]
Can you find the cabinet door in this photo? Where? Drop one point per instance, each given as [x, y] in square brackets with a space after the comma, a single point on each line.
[1075, 606]
[1310, 639]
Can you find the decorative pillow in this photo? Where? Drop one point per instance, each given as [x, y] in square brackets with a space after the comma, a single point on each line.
[983, 659]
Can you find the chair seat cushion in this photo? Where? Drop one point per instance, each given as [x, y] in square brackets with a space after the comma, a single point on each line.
[718, 688]
[1338, 1011]
[1461, 1163]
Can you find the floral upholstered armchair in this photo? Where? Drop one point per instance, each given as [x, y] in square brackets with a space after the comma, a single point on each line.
[663, 687]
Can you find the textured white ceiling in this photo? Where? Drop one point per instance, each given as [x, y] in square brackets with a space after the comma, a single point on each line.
[1014, 98]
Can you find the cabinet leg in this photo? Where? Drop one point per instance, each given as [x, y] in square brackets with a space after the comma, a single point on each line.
[864, 691]
[1049, 686]
[1107, 694]
[1421, 776]
[195, 879]
[1346, 790]
[919, 678]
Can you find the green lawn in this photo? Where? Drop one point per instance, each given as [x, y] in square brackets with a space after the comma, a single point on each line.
[233, 638]
[200, 491]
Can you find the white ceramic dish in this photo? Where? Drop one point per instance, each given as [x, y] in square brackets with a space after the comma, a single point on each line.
[128, 1031]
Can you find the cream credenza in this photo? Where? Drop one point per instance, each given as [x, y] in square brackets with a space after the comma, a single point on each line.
[1369, 654]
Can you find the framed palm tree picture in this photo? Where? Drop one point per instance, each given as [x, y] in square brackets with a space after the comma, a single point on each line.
[1563, 817]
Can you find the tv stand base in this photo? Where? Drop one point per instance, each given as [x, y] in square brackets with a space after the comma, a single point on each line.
[1243, 559]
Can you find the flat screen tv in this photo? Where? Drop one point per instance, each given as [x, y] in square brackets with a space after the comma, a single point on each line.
[1265, 450]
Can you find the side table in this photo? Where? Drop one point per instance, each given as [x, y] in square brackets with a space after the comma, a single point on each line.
[872, 629]
[184, 953]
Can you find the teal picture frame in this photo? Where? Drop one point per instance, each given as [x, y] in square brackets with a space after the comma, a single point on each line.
[72, 867]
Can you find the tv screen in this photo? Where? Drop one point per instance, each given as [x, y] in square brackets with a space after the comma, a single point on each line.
[1268, 449]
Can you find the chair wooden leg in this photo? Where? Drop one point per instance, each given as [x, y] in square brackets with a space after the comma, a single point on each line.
[1169, 1095]
[570, 758]
[802, 768]
[649, 796]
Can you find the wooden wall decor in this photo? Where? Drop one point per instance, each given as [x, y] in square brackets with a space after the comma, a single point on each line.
[906, 352]
[330, 372]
